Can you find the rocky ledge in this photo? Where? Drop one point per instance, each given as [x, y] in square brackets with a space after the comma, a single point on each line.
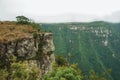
[38, 51]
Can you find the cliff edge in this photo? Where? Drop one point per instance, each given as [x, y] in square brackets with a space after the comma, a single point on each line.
[37, 50]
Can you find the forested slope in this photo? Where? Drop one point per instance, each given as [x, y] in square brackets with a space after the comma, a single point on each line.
[92, 45]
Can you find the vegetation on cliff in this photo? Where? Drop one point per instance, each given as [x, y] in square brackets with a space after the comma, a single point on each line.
[21, 70]
[10, 31]
[63, 70]
[12, 68]
[92, 45]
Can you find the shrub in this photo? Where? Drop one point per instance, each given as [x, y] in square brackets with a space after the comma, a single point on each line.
[61, 60]
[63, 73]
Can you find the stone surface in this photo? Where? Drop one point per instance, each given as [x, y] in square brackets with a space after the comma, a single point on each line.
[27, 48]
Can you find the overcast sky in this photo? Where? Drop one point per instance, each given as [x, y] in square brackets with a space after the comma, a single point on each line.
[61, 10]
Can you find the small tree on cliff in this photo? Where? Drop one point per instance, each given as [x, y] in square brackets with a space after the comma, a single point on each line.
[22, 20]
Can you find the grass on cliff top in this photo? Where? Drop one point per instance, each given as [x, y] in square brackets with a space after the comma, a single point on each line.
[10, 31]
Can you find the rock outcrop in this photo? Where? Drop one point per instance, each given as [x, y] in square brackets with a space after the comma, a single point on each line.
[39, 50]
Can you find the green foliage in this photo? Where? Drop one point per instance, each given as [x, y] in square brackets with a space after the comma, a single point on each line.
[3, 74]
[35, 35]
[69, 56]
[62, 70]
[61, 61]
[85, 42]
[63, 73]
[39, 54]
[71, 72]
[22, 20]
[35, 25]
[22, 71]
[17, 70]
[25, 20]
[93, 76]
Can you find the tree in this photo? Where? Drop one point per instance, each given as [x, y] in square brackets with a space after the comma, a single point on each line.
[63, 73]
[22, 20]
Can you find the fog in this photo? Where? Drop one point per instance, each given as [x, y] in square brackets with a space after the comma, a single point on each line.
[61, 10]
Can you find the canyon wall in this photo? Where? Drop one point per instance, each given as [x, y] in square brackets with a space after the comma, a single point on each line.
[38, 51]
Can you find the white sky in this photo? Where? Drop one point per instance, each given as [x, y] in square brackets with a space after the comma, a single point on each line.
[60, 10]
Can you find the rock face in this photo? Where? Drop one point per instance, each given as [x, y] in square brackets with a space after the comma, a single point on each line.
[39, 50]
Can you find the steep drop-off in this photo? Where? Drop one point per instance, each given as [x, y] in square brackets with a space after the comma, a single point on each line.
[38, 51]
[92, 45]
